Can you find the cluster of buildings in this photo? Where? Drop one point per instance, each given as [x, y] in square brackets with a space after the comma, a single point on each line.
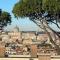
[25, 43]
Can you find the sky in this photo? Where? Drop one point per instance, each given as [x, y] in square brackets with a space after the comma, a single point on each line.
[24, 24]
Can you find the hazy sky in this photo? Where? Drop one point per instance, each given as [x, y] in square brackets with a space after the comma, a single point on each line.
[23, 24]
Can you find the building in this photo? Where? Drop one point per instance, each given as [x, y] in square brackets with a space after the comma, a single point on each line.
[25, 42]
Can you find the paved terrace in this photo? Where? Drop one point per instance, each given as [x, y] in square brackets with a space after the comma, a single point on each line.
[25, 58]
[40, 57]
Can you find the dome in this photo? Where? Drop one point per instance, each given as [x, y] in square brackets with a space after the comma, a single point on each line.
[16, 29]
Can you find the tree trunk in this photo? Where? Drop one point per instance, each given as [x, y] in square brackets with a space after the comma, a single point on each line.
[49, 35]
[51, 38]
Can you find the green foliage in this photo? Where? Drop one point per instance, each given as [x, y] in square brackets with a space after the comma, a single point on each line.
[5, 18]
[24, 7]
[52, 5]
[41, 12]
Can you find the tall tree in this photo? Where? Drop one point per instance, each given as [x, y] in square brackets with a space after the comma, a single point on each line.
[42, 13]
[5, 18]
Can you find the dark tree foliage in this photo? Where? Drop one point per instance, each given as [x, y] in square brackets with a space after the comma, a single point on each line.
[35, 9]
[5, 18]
[42, 13]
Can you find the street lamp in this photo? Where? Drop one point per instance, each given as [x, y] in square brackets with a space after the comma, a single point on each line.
[36, 34]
